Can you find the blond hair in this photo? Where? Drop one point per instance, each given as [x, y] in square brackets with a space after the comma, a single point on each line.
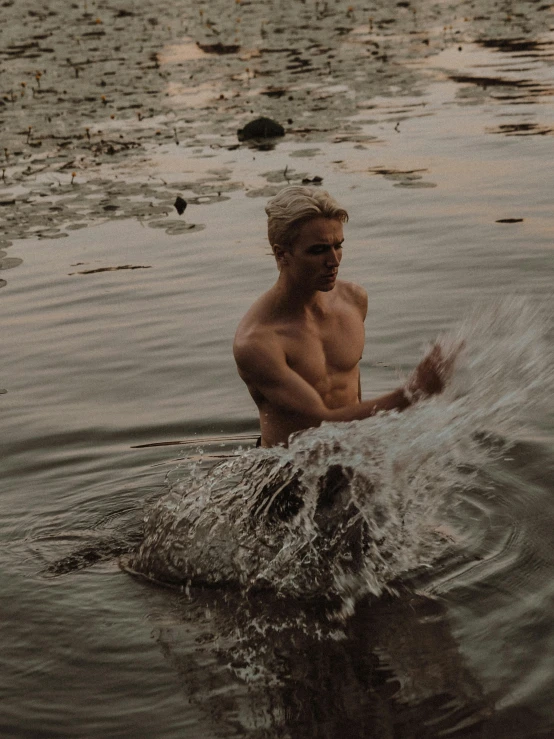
[293, 206]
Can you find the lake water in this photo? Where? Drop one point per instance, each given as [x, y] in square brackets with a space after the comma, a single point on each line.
[117, 323]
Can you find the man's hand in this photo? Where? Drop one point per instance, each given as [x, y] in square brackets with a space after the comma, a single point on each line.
[433, 372]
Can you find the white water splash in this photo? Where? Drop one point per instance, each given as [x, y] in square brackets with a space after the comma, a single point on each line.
[347, 508]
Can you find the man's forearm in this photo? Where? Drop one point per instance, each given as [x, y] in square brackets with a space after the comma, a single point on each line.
[396, 400]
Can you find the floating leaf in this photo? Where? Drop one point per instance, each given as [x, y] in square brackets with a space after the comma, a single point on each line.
[10, 262]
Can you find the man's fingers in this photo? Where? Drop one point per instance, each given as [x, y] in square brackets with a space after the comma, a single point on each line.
[435, 369]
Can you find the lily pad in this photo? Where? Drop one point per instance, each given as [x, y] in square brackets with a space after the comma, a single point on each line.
[305, 153]
[263, 192]
[10, 262]
[180, 228]
[208, 199]
[173, 227]
[52, 235]
[413, 184]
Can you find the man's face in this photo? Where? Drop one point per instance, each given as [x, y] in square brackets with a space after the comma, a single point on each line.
[315, 255]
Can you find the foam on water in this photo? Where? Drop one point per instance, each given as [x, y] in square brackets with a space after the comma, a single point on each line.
[347, 508]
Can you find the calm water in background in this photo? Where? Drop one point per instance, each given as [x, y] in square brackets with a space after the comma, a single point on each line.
[98, 365]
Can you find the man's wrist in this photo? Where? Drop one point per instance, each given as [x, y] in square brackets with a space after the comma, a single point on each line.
[408, 395]
[405, 398]
[412, 395]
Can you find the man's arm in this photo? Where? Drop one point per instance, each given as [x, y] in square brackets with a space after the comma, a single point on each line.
[263, 366]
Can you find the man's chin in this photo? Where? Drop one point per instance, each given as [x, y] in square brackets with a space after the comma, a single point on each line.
[327, 286]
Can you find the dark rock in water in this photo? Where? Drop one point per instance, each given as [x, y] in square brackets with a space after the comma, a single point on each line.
[317, 180]
[180, 205]
[260, 128]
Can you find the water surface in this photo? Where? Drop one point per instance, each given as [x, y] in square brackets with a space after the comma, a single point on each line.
[443, 161]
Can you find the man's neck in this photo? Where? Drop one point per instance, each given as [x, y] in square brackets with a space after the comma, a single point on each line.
[293, 299]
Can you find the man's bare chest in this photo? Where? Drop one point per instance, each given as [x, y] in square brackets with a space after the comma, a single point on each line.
[319, 351]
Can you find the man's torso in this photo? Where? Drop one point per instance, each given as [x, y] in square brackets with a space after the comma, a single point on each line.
[324, 348]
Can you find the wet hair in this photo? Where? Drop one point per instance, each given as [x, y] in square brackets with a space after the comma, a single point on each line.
[293, 206]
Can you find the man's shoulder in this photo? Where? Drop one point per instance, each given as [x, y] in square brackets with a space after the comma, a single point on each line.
[256, 351]
[353, 294]
[254, 334]
[254, 323]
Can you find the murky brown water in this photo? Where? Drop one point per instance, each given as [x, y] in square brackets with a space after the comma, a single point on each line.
[433, 125]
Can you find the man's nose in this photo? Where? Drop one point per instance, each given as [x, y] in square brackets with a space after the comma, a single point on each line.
[333, 258]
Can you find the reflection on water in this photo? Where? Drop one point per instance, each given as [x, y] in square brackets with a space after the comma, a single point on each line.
[394, 668]
[282, 667]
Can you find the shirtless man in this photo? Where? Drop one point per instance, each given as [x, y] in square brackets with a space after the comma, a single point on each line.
[299, 346]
